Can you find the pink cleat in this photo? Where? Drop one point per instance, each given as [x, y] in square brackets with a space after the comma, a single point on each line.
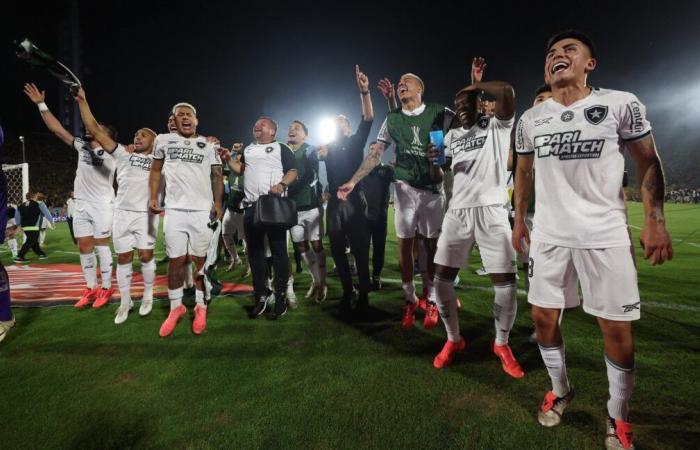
[444, 358]
[173, 318]
[199, 325]
[103, 296]
[88, 296]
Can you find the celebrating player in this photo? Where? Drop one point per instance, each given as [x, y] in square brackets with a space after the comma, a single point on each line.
[478, 214]
[94, 202]
[134, 226]
[573, 141]
[310, 226]
[191, 169]
[418, 203]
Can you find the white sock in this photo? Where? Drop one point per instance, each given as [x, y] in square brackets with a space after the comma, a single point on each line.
[124, 273]
[554, 360]
[409, 291]
[199, 297]
[42, 238]
[505, 307]
[620, 385]
[88, 262]
[320, 261]
[290, 282]
[310, 261]
[105, 256]
[148, 270]
[12, 245]
[189, 280]
[447, 306]
[175, 297]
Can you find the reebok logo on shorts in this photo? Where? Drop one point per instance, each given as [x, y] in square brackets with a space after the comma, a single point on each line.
[630, 307]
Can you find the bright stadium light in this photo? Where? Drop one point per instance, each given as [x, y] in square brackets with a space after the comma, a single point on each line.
[327, 130]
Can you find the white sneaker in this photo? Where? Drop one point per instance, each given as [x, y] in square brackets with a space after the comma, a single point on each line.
[271, 300]
[481, 271]
[311, 292]
[146, 304]
[123, 313]
[291, 298]
[321, 294]
[5, 327]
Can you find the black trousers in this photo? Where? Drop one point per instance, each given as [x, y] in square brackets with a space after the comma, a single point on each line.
[255, 240]
[377, 234]
[348, 220]
[31, 242]
[70, 228]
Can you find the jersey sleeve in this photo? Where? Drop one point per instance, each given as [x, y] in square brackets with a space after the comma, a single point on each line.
[503, 124]
[288, 161]
[215, 158]
[384, 136]
[446, 142]
[159, 148]
[523, 141]
[78, 144]
[633, 123]
[120, 152]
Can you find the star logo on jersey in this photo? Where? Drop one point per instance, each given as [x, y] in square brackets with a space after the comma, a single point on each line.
[269, 149]
[187, 142]
[595, 114]
[567, 116]
[201, 144]
[483, 122]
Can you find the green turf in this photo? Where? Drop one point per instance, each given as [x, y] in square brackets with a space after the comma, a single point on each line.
[72, 379]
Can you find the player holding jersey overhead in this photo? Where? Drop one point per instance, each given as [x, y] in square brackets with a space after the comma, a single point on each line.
[134, 226]
[418, 203]
[574, 141]
[191, 169]
[478, 214]
[94, 202]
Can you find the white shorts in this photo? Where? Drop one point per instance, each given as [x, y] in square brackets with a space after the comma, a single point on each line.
[92, 219]
[232, 223]
[134, 230]
[487, 226]
[416, 210]
[186, 233]
[309, 227]
[525, 255]
[608, 280]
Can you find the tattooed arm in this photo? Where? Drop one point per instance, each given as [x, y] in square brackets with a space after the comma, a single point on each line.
[654, 237]
[372, 160]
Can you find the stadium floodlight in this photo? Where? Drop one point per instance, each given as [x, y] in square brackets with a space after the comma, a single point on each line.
[327, 130]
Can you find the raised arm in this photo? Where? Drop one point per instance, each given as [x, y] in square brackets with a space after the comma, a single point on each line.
[232, 161]
[372, 160]
[52, 123]
[387, 89]
[505, 96]
[363, 86]
[91, 123]
[655, 239]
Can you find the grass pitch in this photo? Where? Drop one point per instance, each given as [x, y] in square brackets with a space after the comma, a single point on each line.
[73, 379]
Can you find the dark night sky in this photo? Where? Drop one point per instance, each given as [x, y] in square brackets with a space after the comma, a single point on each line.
[295, 60]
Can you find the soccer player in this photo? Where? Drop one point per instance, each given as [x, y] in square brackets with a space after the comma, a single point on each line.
[134, 228]
[573, 141]
[418, 203]
[310, 227]
[346, 219]
[478, 214]
[94, 200]
[191, 169]
[7, 320]
[269, 167]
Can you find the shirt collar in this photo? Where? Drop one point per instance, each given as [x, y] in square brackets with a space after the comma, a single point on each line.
[414, 112]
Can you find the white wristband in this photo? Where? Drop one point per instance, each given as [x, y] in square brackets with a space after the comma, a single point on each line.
[42, 107]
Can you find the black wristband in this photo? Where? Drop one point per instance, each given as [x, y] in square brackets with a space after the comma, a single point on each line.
[364, 93]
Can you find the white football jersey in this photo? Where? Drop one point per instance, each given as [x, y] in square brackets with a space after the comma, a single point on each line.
[579, 167]
[265, 166]
[133, 171]
[479, 162]
[94, 178]
[187, 166]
